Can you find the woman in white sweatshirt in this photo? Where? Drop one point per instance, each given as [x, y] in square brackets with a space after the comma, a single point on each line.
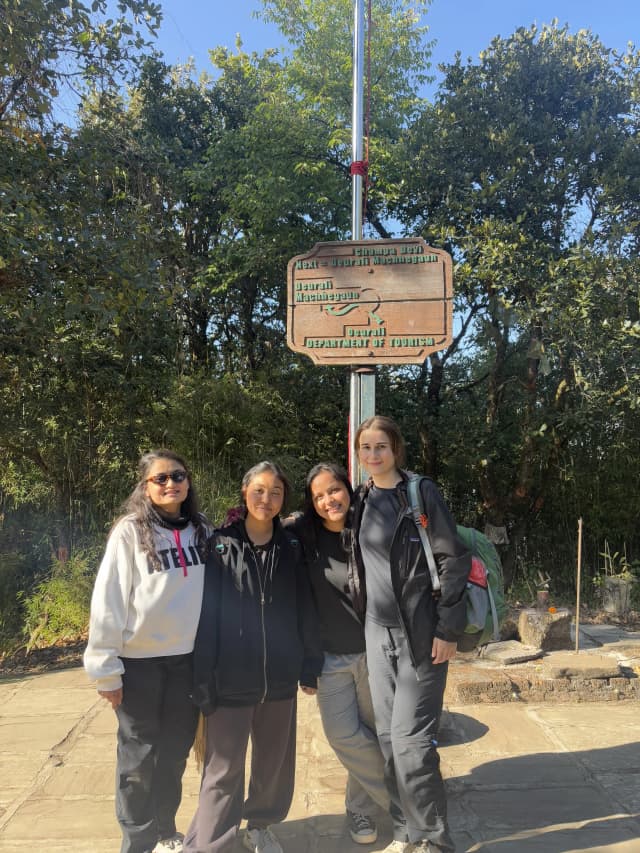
[144, 615]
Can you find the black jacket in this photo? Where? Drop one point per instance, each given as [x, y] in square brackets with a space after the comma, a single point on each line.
[341, 631]
[422, 615]
[258, 636]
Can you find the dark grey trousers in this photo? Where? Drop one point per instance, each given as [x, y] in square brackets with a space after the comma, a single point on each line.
[156, 727]
[221, 806]
[407, 713]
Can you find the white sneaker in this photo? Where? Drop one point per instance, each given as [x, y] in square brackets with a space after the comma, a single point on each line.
[261, 841]
[170, 845]
[361, 828]
[399, 847]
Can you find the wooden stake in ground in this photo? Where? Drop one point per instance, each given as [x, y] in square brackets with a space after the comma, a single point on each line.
[578, 584]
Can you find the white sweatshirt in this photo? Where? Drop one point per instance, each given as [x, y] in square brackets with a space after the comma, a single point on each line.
[140, 613]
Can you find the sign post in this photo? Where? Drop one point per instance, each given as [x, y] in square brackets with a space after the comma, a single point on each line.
[367, 302]
[362, 385]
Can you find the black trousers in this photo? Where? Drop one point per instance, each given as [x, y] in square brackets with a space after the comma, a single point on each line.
[407, 713]
[156, 727]
[221, 806]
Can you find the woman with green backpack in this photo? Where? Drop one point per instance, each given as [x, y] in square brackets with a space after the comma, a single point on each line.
[411, 633]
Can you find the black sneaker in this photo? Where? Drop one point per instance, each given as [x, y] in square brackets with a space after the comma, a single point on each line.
[362, 828]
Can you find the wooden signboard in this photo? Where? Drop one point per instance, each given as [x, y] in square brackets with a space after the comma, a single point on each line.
[370, 302]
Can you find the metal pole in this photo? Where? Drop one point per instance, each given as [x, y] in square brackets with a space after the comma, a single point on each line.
[357, 118]
[578, 584]
[362, 386]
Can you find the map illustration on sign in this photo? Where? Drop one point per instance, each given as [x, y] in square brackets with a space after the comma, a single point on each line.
[370, 302]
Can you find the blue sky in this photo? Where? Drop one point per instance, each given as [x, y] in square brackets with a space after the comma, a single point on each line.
[192, 27]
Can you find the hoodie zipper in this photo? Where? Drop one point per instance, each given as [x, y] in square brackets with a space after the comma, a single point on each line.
[404, 509]
[258, 563]
[183, 562]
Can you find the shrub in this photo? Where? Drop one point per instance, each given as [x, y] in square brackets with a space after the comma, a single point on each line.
[58, 608]
[13, 573]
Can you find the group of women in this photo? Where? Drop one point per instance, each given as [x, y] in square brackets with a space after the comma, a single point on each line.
[336, 600]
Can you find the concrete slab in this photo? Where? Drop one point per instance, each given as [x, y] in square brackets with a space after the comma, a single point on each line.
[579, 665]
[22, 736]
[607, 633]
[590, 726]
[74, 781]
[510, 652]
[21, 704]
[586, 641]
[561, 839]
[93, 749]
[40, 820]
[625, 652]
[104, 721]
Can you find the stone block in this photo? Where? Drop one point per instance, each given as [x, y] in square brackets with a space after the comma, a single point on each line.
[585, 665]
[628, 652]
[510, 652]
[509, 628]
[545, 630]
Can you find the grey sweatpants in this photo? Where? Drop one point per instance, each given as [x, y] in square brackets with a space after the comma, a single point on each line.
[407, 712]
[221, 805]
[344, 699]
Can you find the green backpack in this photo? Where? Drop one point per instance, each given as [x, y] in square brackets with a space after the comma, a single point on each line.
[484, 594]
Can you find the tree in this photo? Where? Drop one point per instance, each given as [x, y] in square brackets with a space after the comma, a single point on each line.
[62, 262]
[319, 71]
[47, 45]
[527, 168]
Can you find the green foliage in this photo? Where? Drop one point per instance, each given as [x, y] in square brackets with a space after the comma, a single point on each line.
[515, 168]
[13, 578]
[58, 608]
[49, 44]
[616, 564]
[143, 259]
[319, 72]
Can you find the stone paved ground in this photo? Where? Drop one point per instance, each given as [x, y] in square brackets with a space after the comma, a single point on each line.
[523, 777]
[539, 778]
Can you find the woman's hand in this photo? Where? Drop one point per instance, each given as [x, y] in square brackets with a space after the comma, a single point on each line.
[114, 697]
[310, 691]
[442, 651]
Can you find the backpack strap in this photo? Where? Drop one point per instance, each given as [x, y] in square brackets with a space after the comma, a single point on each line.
[494, 615]
[421, 521]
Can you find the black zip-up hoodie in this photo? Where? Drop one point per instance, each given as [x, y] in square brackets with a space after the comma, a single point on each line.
[258, 634]
[422, 615]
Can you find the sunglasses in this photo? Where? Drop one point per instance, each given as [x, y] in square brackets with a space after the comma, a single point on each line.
[177, 476]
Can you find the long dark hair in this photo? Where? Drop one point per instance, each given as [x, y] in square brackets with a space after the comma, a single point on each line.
[140, 506]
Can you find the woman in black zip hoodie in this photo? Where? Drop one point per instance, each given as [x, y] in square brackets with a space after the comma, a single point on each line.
[410, 632]
[257, 640]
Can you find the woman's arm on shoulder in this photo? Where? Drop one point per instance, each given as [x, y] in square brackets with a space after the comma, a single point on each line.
[308, 625]
[207, 643]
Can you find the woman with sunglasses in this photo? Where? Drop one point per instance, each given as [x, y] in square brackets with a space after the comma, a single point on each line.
[144, 616]
[411, 634]
[344, 698]
[257, 641]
